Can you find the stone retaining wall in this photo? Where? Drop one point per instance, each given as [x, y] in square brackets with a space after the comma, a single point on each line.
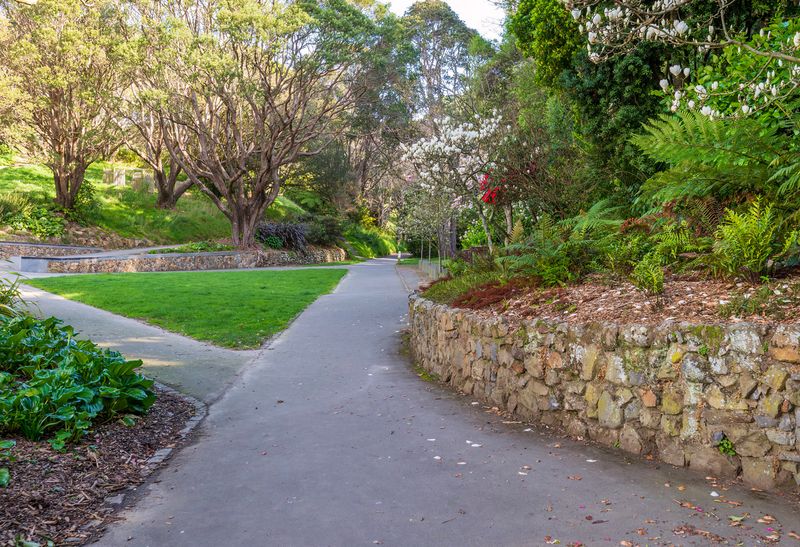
[13, 248]
[674, 390]
[187, 261]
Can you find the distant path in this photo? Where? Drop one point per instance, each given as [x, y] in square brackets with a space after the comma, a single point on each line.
[328, 438]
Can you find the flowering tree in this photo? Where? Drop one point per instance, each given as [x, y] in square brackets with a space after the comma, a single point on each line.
[451, 163]
[742, 72]
[619, 28]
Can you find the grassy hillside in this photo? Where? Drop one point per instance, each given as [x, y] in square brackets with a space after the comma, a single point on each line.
[130, 213]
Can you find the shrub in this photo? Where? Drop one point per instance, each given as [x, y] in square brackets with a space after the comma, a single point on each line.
[13, 203]
[40, 221]
[548, 255]
[648, 275]
[51, 383]
[273, 242]
[747, 243]
[291, 235]
[323, 230]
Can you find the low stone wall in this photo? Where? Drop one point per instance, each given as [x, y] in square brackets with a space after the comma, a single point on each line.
[13, 248]
[674, 391]
[173, 262]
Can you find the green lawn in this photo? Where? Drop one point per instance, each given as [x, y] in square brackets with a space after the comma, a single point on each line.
[232, 309]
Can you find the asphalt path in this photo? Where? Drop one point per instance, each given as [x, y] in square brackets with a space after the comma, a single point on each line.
[328, 437]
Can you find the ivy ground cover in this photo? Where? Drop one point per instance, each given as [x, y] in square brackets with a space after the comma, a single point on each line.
[238, 310]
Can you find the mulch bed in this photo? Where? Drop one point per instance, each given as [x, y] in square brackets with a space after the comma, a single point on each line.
[61, 496]
[686, 298]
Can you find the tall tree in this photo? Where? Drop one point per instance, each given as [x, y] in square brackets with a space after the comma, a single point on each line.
[261, 82]
[62, 56]
[443, 43]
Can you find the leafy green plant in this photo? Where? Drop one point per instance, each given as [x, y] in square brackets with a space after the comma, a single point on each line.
[322, 229]
[5, 454]
[725, 446]
[369, 242]
[747, 243]
[675, 239]
[14, 203]
[648, 275]
[709, 157]
[548, 255]
[290, 234]
[273, 242]
[760, 302]
[52, 384]
[39, 221]
[10, 296]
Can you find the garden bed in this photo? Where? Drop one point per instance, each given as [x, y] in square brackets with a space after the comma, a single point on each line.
[689, 298]
[62, 496]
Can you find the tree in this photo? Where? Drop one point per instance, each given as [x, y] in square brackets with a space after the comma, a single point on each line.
[699, 24]
[443, 43]
[260, 83]
[62, 57]
[451, 163]
[546, 32]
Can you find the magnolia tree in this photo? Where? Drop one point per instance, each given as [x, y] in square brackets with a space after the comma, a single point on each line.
[452, 163]
[749, 73]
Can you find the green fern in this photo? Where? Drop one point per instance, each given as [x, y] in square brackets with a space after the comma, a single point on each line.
[747, 242]
[517, 233]
[710, 157]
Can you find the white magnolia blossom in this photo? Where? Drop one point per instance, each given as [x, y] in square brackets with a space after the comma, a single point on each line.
[611, 30]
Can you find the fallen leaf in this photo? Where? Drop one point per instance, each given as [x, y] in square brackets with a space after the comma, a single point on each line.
[575, 478]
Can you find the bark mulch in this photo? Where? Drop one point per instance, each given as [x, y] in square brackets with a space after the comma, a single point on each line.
[693, 299]
[61, 497]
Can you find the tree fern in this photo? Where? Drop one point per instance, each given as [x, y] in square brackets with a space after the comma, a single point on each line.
[709, 157]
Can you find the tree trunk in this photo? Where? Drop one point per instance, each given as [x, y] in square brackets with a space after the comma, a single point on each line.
[454, 236]
[68, 183]
[486, 230]
[509, 222]
[167, 186]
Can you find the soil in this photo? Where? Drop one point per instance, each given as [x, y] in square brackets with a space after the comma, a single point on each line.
[693, 299]
[61, 497]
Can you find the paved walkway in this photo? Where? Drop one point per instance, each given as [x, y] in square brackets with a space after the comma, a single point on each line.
[328, 438]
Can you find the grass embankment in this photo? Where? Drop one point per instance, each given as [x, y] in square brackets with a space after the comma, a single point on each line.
[369, 242]
[131, 213]
[238, 309]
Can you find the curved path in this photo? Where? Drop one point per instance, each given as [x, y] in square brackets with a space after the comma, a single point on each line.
[328, 438]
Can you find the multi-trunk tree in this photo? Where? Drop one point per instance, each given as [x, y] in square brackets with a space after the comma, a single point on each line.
[60, 59]
[262, 84]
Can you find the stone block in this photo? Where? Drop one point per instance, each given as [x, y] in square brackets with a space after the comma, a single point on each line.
[762, 473]
[671, 451]
[710, 460]
[590, 363]
[630, 441]
[771, 405]
[609, 411]
[672, 401]
[776, 377]
[650, 418]
[649, 399]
